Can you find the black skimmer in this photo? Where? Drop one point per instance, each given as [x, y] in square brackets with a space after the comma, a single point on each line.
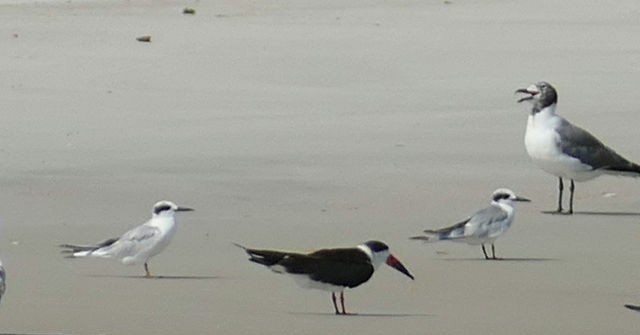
[330, 269]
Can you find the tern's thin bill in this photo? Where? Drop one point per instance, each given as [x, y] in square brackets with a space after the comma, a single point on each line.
[185, 209]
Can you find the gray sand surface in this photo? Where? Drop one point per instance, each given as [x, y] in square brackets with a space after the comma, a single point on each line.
[307, 124]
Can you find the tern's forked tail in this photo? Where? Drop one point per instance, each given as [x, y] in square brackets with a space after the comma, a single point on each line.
[430, 237]
[423, 238]
[449, 233]
[75, 251]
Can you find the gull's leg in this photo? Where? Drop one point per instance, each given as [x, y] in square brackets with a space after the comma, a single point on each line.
[146, 269]
[560, 189]
[572, 187]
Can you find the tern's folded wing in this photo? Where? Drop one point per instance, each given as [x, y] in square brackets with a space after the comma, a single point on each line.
[136, 240]
[487, 221]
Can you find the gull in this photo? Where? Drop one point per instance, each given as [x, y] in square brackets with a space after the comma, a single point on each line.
[563, 149]
[330, 270]
[3, 280]
[483, 227]
[139, 244]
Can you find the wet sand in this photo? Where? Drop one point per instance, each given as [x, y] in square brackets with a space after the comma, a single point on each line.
[305, 124]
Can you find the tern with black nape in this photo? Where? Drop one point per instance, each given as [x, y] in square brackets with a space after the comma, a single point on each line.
[137, 245]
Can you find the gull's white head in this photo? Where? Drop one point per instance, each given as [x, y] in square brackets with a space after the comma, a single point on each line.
[165, 207]
[505, 195]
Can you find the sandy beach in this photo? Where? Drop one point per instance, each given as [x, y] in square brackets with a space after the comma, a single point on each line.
[305, 124]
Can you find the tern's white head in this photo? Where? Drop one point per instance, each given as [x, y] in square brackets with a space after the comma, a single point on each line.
[505, 195]
[165, 207]
[541, 95]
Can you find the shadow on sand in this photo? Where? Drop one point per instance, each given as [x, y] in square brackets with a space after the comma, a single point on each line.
[594, 213]
[156, 277]
[499, 260]
[365, 315]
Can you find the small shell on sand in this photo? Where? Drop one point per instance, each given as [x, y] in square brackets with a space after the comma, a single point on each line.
[145, 38]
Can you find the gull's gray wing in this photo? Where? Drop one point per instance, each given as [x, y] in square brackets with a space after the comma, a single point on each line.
[579, 143]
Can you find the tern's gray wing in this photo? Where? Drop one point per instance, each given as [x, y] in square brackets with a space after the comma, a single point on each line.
[3, 278]
[136, 240]
[140, 233]
[446, 230]
[579, 143]
[479, 225]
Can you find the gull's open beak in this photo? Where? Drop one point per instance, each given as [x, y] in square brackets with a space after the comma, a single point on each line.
[395, 263]
[529, 92]
[184, 209]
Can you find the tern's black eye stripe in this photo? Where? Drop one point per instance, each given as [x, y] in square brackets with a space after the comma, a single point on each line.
[162, 208]
[500, 196]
